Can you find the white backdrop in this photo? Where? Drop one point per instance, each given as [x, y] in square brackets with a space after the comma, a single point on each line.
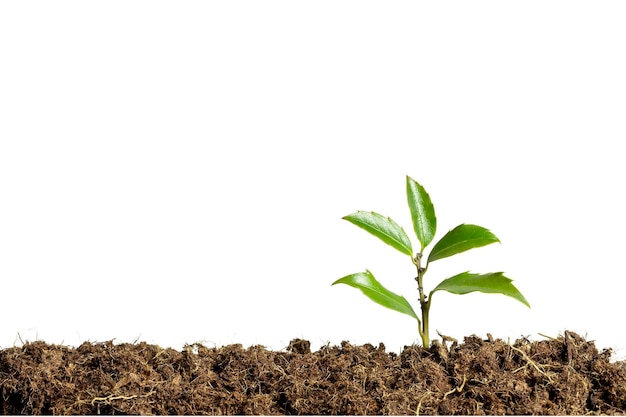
[177, 172]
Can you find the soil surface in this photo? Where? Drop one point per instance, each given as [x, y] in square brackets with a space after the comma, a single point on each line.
[565, 375]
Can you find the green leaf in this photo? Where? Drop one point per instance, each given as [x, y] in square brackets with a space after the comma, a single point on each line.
[460, 239]
[374, 290]
[494, 282]
[383, 228]
[422, 212]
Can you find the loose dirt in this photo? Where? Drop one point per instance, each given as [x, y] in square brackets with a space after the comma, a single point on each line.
[565, 375]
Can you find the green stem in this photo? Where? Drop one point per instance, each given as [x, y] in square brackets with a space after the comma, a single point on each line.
[424, 303]
[425, 337]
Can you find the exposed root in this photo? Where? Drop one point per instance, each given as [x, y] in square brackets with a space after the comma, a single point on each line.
[107, 400]
[530, 362]
[548, 337]
[457, 389]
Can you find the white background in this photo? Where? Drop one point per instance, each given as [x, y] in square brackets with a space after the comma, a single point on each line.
[176, 172]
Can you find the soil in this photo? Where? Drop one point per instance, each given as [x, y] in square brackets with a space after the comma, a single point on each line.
[564, 375]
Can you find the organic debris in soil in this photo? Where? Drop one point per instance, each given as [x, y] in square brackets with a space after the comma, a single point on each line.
[556, 376]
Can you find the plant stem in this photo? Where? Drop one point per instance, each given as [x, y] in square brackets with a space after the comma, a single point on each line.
[424, 303]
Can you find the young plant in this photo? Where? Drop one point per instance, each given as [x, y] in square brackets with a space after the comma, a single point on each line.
[457, 240]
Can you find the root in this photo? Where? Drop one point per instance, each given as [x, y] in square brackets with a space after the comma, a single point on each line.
[445, 339]
[107, 400]
[548, 337]
[457, 389]
[530, 362]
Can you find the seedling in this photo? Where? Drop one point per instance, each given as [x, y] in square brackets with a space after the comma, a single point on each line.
[457, 240]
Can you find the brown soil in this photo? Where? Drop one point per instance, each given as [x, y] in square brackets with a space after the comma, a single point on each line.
[555, 376]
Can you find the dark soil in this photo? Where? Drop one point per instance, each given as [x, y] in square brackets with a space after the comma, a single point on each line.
[555, 376]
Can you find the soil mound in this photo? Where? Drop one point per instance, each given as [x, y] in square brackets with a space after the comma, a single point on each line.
[566, 375]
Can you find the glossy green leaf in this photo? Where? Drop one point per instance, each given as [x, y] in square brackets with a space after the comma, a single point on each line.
[422, 212]
[383, 228]
[494, 282]
[374, 290]
[460, 239]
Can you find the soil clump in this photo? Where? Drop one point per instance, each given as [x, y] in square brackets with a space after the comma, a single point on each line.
[561, 376]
